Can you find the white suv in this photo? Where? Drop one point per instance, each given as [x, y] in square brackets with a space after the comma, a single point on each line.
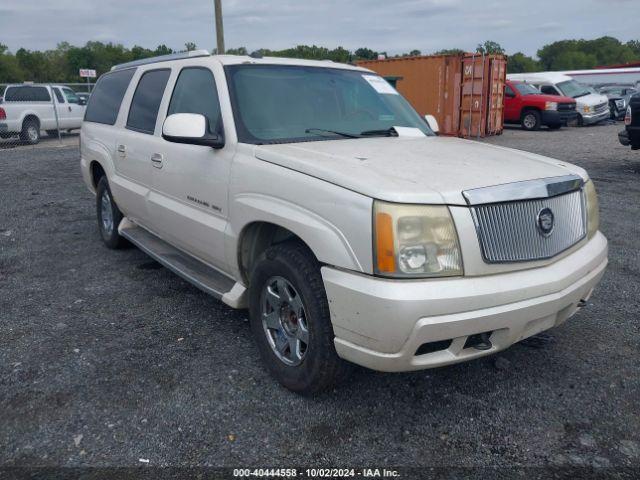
[313, 194]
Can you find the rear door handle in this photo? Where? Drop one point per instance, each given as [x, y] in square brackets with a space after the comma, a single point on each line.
[156, 160]
[122, 150]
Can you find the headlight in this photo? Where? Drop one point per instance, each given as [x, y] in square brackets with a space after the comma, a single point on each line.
[593, 211]
[551, 106]
[415, 241]
[586, 109]
[620, 104]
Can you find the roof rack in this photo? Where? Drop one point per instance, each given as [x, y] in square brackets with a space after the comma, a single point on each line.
[162, 58]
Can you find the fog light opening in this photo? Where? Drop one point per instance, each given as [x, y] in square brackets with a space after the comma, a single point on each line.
[479, 341]
[432, 347]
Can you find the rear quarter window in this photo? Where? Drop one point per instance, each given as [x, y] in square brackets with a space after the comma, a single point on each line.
[27, 94]
[106, 98]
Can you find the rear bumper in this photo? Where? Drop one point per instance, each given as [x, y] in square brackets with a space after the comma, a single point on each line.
[381, 323]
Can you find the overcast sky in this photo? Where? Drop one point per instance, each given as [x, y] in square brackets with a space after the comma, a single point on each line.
[393, 25]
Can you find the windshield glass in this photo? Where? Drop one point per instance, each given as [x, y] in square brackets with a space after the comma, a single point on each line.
[283, 103]
[527, 89]
[573, 89]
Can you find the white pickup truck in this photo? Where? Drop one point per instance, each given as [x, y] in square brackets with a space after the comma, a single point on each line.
[28, 109]
[312, 194]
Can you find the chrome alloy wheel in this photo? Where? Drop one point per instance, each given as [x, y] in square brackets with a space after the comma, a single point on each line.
[529, 121]
[32, 132]
[284, 321]
[106, 213]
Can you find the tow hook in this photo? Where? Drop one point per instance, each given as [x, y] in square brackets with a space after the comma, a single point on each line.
[582, 304]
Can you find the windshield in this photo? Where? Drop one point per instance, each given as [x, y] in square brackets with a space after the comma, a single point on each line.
[573, 89]
[283, 103]
[527, 89]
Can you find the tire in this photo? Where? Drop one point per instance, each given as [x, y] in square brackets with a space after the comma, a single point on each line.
[52, 133]
[531, 120]
[286, 290]
[555, 126]
[30, 133]
[109, 216]
[580, 121]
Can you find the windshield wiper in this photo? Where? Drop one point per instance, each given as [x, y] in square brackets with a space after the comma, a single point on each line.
[389, 132]
[320, 131]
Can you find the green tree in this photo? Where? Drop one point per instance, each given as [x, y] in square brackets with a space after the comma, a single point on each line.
[450, 51]
[237, 51]
[520, 63]
[489, 47]
[190, 46]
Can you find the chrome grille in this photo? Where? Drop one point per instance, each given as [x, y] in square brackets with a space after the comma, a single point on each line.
[602, 107]
[509, 232]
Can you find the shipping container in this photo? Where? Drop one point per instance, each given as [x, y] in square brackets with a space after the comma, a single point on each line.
[464, 92]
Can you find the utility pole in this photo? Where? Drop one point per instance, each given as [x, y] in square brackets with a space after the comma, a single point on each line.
[219, 29]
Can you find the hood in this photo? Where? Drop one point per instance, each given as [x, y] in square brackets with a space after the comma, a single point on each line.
[431, 170]
[592, 99]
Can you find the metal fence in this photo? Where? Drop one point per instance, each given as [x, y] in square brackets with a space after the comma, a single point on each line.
[33, 114]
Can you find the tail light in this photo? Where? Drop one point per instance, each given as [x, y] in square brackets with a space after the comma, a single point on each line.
[627, 117]
[3, 114]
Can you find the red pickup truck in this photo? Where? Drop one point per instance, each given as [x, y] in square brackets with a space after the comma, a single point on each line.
[526, 105]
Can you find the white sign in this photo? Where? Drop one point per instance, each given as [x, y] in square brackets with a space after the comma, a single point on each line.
[87, 73]
[380, 84]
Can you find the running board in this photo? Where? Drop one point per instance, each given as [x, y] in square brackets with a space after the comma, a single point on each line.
[202, 276]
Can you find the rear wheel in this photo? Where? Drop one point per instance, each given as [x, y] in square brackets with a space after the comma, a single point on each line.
[290, 320]
[109, 216]
[30, 133]
[531, 120]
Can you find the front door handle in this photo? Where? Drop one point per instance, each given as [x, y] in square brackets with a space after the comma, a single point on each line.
[156, 160]
[122, 150]
[69, 108]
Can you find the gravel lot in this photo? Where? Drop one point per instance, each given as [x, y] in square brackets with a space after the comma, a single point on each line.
[107, 358]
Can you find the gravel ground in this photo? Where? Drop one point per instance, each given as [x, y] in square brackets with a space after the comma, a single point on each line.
[107, 358]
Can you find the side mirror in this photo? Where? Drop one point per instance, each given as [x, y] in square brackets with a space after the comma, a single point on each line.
[432, 122]
[190, 128]
[81, 101]
[509, 95]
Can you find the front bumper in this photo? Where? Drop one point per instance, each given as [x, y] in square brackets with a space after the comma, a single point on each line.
[591, 118]
[381, 323]
[555, 117]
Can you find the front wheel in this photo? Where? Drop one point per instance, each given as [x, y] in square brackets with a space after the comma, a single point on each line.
[290, 319]
[531, 120]
[109, 216]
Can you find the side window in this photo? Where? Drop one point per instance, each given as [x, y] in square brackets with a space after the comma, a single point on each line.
[71, 95]
[27, 94]
[549, 90]
[195, 92]
[104, 102]
[509, 92]
[59, 96]
[146, 101]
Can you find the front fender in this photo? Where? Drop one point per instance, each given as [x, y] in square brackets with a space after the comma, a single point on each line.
[327, 241]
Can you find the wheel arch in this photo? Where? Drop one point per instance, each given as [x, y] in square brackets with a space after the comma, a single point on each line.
[263, 221]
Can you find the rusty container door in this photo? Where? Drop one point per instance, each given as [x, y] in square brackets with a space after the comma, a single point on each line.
[431, 84]
[482, 95]
[497, 66]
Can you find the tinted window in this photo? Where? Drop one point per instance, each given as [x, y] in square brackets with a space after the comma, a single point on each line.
[146, 101]
[549, 90]
[195, 92]
[106, 97]
[71, 96]
[59, 96]
[27, 94]
[509, 92]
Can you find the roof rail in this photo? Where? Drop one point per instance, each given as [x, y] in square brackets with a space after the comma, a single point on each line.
[162, 58]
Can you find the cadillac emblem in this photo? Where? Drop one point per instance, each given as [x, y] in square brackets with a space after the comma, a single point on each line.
[545, 221]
